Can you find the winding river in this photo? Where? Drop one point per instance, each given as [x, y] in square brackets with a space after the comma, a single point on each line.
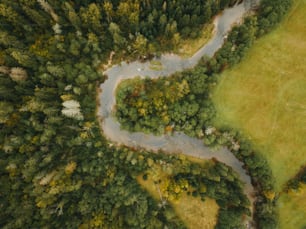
[178, 142]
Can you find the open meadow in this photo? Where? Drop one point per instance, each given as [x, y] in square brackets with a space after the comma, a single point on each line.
[264, 97]
[293, 209]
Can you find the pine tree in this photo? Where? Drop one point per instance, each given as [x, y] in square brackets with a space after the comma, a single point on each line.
[7, 91]
[55, 70]
[118, 39]
[140, 44]
[91, 17]
[128, 12]
[6, 109]
[23, 58]
[11, 15]
[108, 7]
[35, 16]
[72, 16]
[9, 40]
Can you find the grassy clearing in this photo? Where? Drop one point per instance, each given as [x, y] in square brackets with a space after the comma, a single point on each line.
[293, 213]
[192, 211]
[196, 213]
[265, 95]
[188, 47]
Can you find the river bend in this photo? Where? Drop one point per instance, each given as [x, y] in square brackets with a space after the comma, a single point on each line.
[178, 142]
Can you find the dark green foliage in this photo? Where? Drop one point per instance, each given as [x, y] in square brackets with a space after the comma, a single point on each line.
[57, 171]
[271, 12]
[266, 215]
[295, 182]
[179, 103]
[183, 16]
[230, 219]
[238, 42]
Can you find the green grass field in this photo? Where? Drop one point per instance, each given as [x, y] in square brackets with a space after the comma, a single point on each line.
[293, 209]
[265, 97]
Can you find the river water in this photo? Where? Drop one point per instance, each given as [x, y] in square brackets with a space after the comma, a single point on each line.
[178, 142]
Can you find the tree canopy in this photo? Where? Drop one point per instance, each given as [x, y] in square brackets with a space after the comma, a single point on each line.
[56, 168]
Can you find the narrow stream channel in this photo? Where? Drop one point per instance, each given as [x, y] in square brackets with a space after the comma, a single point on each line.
[178, 142]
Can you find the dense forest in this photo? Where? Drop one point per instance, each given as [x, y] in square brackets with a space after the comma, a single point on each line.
[56, 168]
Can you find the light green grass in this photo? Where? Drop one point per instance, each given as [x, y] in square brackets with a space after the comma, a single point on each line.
[293, 211]
[265, 95]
